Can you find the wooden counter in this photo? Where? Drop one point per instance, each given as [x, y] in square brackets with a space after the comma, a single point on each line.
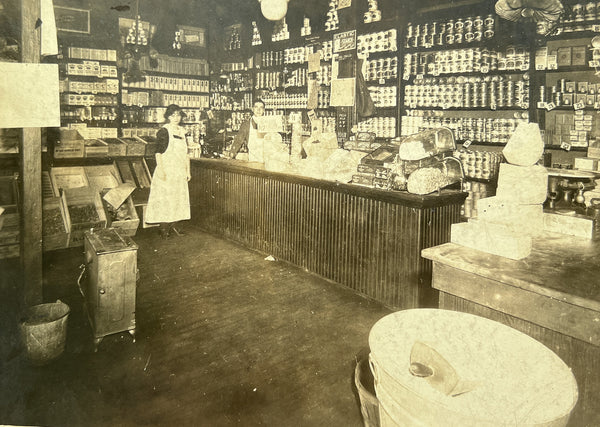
[367, 239]
[553, 295]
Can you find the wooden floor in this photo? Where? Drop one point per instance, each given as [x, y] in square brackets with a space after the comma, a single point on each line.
[224, 338]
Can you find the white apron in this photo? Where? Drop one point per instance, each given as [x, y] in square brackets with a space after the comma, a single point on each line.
[255, 146]
[169, 199]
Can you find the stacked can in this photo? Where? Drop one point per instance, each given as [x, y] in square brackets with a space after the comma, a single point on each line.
[450, 32]
[382, 41]
[384, 68]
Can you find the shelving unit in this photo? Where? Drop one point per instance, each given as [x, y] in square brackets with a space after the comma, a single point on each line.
[89, 87]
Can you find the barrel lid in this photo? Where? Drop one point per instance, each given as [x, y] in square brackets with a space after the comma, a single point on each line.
[514, 377]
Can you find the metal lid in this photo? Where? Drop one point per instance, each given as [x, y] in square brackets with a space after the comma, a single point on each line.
[107, 240]
[507, 377]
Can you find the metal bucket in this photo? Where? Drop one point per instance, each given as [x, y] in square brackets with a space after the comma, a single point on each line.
[369, 405]
[43, 330]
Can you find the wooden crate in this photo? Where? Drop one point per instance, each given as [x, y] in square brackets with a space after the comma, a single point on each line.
[10, 251]
[82, 201]
[135, 146]
[58, 236]
[9, 233]
[69, 149]
[116, 147]
[68, 178]
[96, 148]
[127, 226]
[102, 176]
[8, 190]
[141, 173]
[151, 144]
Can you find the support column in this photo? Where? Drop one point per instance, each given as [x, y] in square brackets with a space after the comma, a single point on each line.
[30, 152]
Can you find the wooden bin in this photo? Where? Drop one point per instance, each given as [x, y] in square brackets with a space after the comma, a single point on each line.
[81, 201]
[67, 178]
[96, 148]
[116, 147]
[9, 233]
[135, 146]
[55, 216]
[102, 176]
[69, 149]
[126, 227]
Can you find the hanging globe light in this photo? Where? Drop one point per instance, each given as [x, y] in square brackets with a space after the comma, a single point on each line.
[273, 10]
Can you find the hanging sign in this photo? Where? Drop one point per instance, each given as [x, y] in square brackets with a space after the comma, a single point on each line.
[344, 4]
[344, 41]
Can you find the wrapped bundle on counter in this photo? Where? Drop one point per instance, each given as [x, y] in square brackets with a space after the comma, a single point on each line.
[426, 144]
[435, 176]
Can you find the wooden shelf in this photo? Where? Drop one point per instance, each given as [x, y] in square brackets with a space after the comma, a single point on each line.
[141, 89]
[469, 74]
[520, 109]
[558, 147]
[490, 43]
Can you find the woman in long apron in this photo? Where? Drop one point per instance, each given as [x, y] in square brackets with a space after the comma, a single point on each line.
[169, 199]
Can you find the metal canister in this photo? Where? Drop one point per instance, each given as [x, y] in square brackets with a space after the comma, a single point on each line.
[467, 95]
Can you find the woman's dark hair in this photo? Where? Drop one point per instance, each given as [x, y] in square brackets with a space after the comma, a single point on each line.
[172, 109]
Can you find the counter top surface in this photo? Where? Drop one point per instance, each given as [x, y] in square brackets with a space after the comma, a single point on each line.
[562, 267]
[433, 200]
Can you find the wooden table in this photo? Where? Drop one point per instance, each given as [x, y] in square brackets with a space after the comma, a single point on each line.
[367, 239]
[553, 295]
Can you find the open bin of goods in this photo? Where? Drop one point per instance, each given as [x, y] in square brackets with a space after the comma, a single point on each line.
[9, 217]
[85, 211]
[69, 145]
[119, 208]
[116, 147]
[56, 224]
[421, 163]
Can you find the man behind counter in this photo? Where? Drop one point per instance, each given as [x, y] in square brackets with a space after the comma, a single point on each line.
[249, 135]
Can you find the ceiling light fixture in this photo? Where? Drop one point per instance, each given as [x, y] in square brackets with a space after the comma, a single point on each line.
[273, 10]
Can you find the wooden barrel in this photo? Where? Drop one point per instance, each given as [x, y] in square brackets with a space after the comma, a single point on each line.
[444, 368]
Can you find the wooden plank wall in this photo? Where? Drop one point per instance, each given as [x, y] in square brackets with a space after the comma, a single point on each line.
[369, 245]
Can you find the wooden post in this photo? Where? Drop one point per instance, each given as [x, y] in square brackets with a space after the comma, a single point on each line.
[30, 150]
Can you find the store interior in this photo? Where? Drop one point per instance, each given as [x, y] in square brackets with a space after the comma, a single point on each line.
[342, 163]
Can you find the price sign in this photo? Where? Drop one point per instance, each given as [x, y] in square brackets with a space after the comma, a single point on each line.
[406, 77]
[550, 106]
[553, 66]
[579, 106]
[594, 63]
[541, 104]
[467, 143]
[436, 72]
[381, 81]
[540, 67]
[565, 146]
[596, 28]
[485, 68]
[493, 106]
[419, 77]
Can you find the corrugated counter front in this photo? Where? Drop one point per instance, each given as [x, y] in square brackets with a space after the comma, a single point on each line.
[367, 239]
